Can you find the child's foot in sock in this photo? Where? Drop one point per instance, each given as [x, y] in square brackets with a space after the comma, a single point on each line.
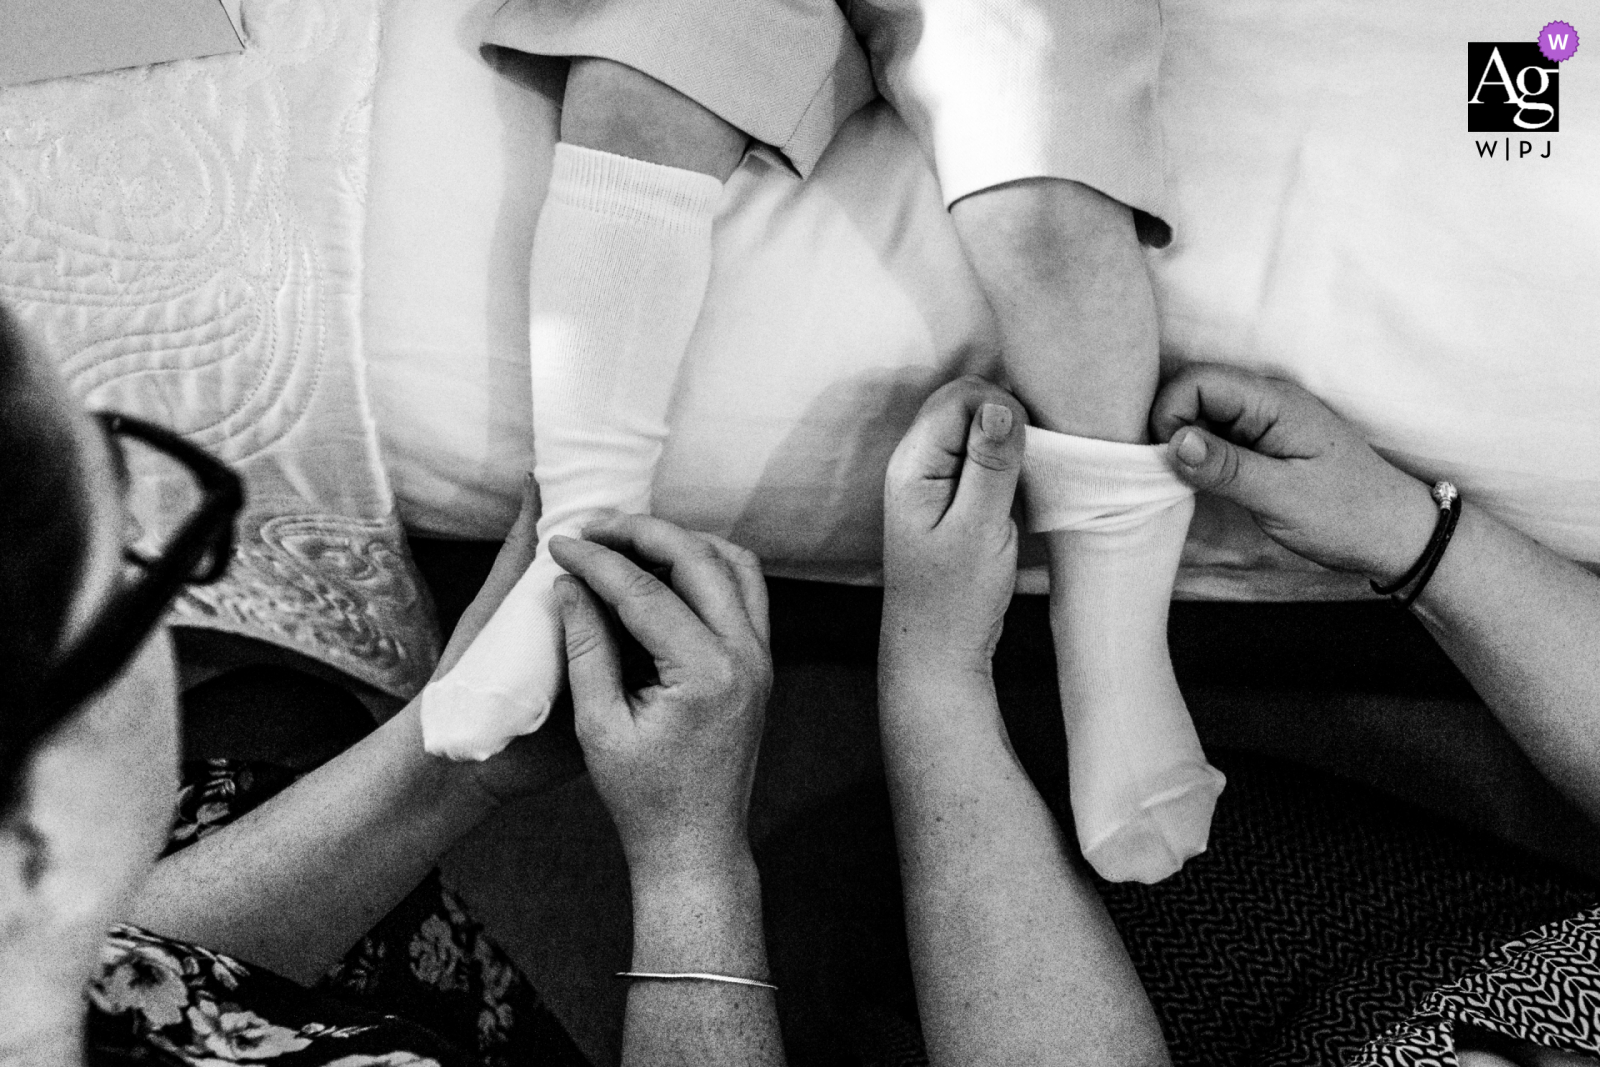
[1115, 517]
[621, 259]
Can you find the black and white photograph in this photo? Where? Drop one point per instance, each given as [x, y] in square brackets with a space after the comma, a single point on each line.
[799, 533]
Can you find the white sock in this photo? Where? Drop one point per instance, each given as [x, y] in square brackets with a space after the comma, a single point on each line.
[621, 259]
[1115, 517]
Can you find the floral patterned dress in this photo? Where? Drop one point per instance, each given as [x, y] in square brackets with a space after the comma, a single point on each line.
[162, 1001]
[425, 987]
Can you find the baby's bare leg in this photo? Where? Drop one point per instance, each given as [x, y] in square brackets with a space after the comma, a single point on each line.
[1063, 270]
[613, 108]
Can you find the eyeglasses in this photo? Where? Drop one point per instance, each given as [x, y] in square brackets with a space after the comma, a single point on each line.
[184, 537]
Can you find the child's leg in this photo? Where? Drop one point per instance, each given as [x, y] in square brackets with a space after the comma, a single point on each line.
[621, 258]
[1040, 120]
[613, 108]
[1065, 272]
[1066, 276]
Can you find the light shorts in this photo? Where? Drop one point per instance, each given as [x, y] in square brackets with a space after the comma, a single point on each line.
[996, 91]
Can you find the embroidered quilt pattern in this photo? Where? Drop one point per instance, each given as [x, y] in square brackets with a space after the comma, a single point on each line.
[185, 240]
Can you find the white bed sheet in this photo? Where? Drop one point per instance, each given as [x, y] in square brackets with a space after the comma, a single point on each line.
[1334, 225]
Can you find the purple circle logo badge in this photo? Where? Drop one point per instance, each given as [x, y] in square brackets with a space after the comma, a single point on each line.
[1558, 41]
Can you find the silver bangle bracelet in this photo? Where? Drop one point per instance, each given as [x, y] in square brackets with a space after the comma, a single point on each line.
[696, 976]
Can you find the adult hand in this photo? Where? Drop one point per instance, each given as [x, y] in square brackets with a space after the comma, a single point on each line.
[549, 756]
[673, 761]
[949, 542]
[1306, 476]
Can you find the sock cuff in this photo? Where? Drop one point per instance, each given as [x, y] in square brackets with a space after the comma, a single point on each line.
[632, 190]
[1079, 483]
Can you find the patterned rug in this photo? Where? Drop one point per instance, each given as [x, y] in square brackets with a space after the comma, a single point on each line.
[1322, 915]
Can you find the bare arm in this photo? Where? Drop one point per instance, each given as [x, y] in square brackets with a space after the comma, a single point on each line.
[1523, 625]
[1015, 959]
[292, 885]
[1520, 622]
[674, 762]
[709, 920]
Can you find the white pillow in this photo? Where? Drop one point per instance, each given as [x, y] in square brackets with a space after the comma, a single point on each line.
[1334, 225]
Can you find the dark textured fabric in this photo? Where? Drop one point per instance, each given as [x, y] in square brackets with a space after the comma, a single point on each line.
[427, 962]
[1321, 914]
[885, 1038]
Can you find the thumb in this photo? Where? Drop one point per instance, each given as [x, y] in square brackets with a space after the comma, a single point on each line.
[594, 668]
[1213, 465]
[993, 461]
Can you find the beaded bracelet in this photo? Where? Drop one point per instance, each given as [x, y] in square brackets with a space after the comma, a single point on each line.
[695, 976]
[1449, 500]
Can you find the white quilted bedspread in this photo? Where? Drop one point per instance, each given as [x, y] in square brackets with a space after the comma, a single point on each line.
[185, 240]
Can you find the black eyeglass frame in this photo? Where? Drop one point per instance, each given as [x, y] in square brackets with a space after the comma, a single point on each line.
[198, 554]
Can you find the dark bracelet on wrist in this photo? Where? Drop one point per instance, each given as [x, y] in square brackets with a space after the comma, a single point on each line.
[1405, 590]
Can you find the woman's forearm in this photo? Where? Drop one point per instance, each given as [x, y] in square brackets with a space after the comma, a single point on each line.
[292, 885]
[1015, 958]
[703, 918]
[1524, 626]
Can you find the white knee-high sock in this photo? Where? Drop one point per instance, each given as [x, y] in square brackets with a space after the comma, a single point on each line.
[621, 259]
[1115, 517]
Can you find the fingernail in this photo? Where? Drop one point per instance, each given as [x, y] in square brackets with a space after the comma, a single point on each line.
[598, 521]
[1190, 447]
[995, 421]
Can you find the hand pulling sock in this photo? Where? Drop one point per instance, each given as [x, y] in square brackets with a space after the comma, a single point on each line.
[1115, 516]
[621, 260]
